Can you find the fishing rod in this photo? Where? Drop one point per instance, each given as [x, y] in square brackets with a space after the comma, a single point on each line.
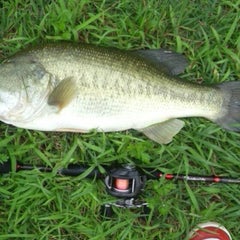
[75, 170]
[124, 182]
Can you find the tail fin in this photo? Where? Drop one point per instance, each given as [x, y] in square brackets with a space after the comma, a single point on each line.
[231, 119]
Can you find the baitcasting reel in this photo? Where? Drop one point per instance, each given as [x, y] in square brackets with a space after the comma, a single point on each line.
[125, 183]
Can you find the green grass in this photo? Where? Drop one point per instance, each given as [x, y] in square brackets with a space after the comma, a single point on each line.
[36, 205]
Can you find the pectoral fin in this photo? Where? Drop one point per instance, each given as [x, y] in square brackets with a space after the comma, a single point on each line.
[63, 94]
[163, 132]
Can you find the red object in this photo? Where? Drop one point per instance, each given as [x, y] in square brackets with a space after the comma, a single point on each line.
[217, 179]
[169, 176]
[210, 231]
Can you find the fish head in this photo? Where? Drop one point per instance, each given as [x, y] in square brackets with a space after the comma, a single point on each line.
[24, 88]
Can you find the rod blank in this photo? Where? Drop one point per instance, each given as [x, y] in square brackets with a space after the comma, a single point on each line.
[213, 179]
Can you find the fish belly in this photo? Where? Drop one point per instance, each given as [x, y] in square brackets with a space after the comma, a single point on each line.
[107, 114]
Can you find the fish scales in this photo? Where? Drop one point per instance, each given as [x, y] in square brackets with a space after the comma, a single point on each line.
[122, 75]
[82, 87]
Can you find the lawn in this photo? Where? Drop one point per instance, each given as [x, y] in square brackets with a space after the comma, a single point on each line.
[35, 205]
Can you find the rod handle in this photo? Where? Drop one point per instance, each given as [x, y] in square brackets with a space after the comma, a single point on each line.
[75, 170]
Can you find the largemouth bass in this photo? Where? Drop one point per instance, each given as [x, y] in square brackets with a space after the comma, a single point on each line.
[79, 87]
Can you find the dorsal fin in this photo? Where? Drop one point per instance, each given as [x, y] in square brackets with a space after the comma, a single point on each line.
[170, 62]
